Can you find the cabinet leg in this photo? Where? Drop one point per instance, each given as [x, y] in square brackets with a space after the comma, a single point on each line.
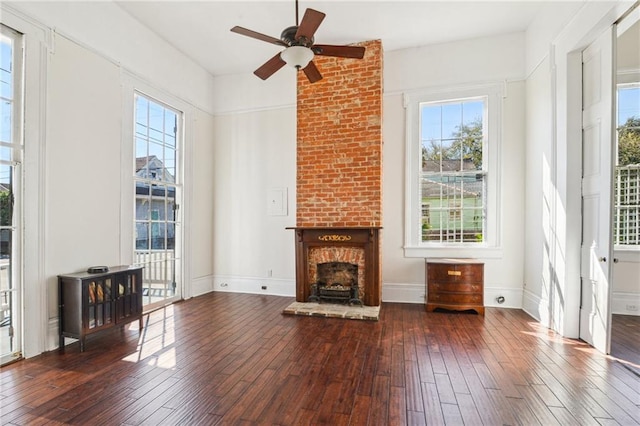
[61, 347]
[82, 344]
[140, 320]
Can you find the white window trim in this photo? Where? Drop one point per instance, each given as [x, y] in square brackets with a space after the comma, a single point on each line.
[490, 247]
[36, 292]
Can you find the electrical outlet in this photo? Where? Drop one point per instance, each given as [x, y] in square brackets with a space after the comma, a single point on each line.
[264, 287]
[224, 285]
[632, 308]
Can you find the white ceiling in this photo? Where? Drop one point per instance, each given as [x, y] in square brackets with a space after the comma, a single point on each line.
[201, 29]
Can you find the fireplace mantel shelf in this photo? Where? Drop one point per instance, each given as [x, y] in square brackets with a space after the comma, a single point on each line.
[333, 228]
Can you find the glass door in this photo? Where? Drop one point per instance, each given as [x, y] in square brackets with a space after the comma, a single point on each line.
[11, 149]
[157, 200]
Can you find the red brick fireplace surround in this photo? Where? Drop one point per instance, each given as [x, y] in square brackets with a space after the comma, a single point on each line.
[339, 167]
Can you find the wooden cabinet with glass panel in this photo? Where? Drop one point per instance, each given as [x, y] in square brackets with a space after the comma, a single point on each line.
[89, 303]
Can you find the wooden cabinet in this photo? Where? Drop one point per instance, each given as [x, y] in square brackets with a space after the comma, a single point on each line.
[455, 284]
[89, 303]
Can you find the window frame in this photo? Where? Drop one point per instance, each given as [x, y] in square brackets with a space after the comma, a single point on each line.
[492, 93]
[15, 147]
[177, 184]
[624, 79]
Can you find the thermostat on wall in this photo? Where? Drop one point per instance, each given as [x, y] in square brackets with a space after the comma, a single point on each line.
[97, 269]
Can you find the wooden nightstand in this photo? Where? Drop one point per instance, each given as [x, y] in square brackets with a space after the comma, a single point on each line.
[455, 284]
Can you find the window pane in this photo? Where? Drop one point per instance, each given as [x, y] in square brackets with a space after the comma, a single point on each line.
[6, 112]
[142, 113]
[170, 166]
[171, 236]
[6, 67]
[142, 202]
[169, 122]
[142, 236]
[451, 120]
[431, 122]
[453, 208]
[156, 117]
[156, 150]
[170, 139]
[472, 112]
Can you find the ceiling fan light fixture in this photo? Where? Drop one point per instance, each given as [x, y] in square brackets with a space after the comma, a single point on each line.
[297, 56]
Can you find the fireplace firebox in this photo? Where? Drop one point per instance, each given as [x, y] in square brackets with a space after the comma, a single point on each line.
[336, 282]
[338, 265]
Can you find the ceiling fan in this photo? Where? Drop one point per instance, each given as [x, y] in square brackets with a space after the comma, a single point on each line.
[300, 47]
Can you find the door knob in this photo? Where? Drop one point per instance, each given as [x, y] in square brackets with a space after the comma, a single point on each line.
[615, 260]
[603, 259]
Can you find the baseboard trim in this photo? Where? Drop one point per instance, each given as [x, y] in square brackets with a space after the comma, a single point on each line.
[202, 285]
[535, 306]
[625, 303]
[252, 285]
[415, 293]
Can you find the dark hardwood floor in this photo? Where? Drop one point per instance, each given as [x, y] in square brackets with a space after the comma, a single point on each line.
[625, 340]
[229, 358]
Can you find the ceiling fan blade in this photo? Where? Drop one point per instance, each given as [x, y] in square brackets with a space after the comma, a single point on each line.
[259, 36]
[356, 52]
[309, 24]
[312, 73]
[270, 67]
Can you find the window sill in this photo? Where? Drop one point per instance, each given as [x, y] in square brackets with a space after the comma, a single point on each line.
[453, 251]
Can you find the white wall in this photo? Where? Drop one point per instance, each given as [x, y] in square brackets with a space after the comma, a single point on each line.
[85, 219]
[539, 193]
[255, 154]
[83, 163]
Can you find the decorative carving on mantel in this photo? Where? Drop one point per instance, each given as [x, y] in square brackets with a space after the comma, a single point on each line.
[335, 237]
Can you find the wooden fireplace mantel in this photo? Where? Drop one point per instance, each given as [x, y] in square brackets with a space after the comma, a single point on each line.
[367, 238]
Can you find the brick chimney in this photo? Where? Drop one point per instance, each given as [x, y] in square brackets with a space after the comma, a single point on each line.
[339, 169]
[339, 175]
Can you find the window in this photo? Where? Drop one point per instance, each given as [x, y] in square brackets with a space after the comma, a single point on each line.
[626, 232]
[452, 154]
[157, 191]
[11, 154]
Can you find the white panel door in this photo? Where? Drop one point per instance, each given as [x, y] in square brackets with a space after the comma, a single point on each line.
[597, 148]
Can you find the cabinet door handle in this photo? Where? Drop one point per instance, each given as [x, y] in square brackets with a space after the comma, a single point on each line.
[456, 273]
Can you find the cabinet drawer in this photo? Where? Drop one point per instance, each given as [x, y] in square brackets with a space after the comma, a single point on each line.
[443, 272]
[455, 298]
[437, 287]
